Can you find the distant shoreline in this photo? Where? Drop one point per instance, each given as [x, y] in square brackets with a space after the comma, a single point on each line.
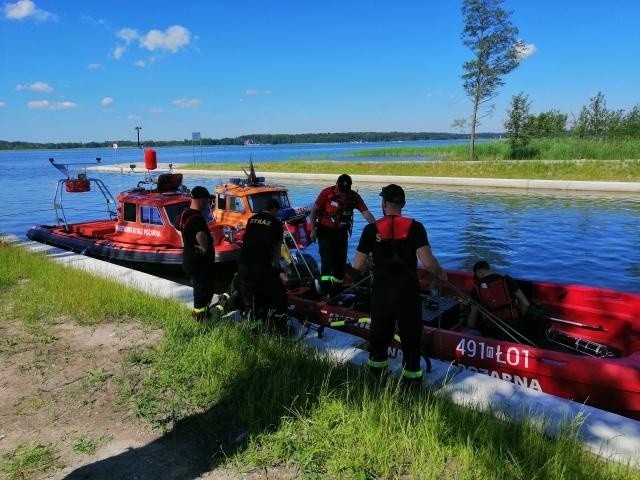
[256, 140]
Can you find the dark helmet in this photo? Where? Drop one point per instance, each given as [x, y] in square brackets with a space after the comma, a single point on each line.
[200, 192]
[481, 265]
[344, 183]
[393, 193]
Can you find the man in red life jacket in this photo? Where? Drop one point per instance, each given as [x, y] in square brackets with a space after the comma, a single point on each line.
[198, 253]
[395, 241]
[500, 295]
[331, 222]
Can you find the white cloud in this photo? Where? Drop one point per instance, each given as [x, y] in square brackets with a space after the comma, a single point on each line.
[47, 105]
[127, 34]
[253, 93]
[2, 104]
[133, 117]
[106, 101]
[95, 66]
[186, 102]
[35, 87]
[525, 50]
[157, 110]
[25, 9]
[118, 51]
[173, 39]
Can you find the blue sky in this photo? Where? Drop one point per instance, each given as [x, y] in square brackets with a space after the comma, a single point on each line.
[94, 70]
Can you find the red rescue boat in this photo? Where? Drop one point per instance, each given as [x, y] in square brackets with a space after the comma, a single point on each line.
[589, 352]
[140, 227]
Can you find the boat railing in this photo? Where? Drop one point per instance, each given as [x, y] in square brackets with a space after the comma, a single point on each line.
[76, 181]
[62, 186]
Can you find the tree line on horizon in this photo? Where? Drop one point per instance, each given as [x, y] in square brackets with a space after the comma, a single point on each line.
[263, 138]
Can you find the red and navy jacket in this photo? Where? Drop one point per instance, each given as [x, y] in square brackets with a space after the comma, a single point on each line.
[335, 209]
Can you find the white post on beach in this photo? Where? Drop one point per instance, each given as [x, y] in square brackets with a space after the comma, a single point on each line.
[195, 137]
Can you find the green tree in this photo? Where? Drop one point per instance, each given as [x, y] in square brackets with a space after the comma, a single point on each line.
[549, 124]
[519, 121]
[630, 127]
[491, 36]
[595, 120]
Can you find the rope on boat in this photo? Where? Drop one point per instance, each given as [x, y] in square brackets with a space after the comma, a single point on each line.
[507, 329]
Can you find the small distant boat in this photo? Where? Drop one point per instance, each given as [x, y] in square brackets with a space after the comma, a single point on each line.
[139, 230]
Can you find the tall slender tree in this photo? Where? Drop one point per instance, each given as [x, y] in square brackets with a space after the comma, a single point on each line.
[492, 38]
[518, 121]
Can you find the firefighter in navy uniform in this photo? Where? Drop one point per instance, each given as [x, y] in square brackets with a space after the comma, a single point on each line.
[198, 252]
[394, 242]
[501, 296]
[261, 281]
[331, 220]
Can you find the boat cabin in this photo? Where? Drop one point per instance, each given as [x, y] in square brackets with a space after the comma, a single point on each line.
[238, 200]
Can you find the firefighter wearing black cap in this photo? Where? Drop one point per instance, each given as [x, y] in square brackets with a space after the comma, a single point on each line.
[198, 252]
[331, 223]
[394, 242]
[261, 280]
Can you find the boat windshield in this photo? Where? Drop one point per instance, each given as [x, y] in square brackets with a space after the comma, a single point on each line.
[175, 209]
[257, 201]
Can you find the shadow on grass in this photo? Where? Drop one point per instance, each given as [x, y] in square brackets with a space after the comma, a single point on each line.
[263, 392]
[254, 400]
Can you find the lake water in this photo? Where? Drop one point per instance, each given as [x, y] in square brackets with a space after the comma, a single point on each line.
[586, 238]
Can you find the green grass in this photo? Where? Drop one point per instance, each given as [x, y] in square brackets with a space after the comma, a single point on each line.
[552, 159]
[27, 460]
[88, 444]
[620, 170]
[296, 408]
[540, 149]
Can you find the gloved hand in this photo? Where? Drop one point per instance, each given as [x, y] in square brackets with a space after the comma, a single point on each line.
[354, 274]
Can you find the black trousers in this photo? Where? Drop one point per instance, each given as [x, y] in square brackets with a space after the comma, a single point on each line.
[391, 305]
[332, 246]
[261, 289]
[202, 280]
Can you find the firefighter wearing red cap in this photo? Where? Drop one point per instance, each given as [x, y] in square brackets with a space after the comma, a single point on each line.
[331, 223]
[394, 242]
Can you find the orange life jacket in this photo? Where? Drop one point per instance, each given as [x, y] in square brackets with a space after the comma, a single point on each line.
[494, 295]
[393, 227]
[393, 252]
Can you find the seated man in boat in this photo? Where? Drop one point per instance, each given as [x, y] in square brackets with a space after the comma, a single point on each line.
[261, 281]
[502, 300]
[198, 252]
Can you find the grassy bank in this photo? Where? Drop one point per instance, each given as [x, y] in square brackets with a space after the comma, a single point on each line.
[555, 159]
[620, 170]
[255, 400]
[539, 149]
